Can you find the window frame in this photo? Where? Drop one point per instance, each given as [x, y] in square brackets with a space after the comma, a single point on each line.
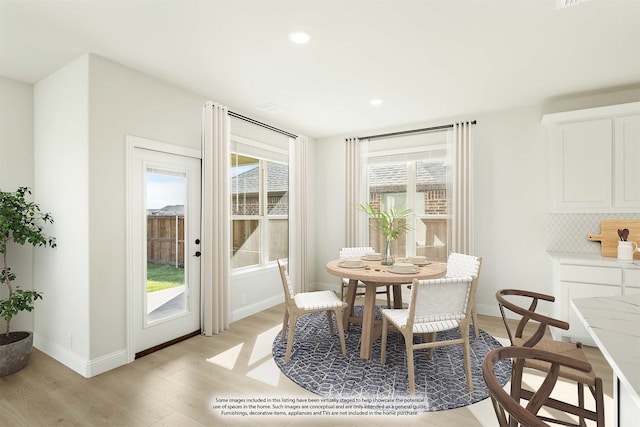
[263, 153]
[410, 156]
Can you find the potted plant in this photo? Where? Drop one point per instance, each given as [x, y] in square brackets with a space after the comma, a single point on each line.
[20, 222]
[391, 223]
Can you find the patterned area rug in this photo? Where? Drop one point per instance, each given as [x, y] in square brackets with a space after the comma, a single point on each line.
[318, 365]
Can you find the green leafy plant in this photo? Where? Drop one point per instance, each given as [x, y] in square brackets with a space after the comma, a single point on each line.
[391, 223]
[21, 222]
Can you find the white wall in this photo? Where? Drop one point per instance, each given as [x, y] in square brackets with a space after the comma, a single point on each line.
[510, 195]
[83, 113]
[16, 170]
[123, 102]
[61, 183]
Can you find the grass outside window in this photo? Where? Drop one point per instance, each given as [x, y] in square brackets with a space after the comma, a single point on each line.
[160, 276]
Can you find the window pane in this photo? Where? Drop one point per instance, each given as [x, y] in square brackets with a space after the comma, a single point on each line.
[245, 185]
[431, 238]
[387, 189]
[278, 239]
[431, 200]
[246, 242]
[277, 189]
[431, 188]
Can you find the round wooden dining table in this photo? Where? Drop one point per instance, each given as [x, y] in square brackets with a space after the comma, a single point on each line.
[374, 274]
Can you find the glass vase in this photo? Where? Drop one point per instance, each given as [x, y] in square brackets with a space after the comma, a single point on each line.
[387, 256]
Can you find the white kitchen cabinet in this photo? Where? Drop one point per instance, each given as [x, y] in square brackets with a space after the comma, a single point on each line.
[582, 276]
[594, 156]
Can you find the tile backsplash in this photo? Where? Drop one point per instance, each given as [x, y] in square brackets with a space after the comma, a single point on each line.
[567, 232]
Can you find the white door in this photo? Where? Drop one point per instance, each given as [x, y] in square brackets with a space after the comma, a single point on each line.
[165, 248]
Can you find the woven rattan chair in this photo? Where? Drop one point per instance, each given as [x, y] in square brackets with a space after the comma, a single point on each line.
[461, 265]
[301, 304]
[508, 409]
[435, 305]
[535, 340]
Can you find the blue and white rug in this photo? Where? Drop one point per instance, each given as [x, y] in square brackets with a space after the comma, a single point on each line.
[318, 365]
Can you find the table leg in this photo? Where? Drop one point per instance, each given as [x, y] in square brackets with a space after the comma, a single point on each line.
[351, 300]
[397, 296]
[368, 321]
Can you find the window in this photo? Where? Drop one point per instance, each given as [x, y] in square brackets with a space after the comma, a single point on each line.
[259, 210]
[412, 176]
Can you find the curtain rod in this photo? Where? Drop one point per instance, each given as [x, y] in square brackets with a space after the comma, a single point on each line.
[406, 132]
[264, 125]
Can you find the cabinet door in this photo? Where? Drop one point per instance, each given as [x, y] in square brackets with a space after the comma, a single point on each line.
[627, 162]
[582, 165]
[577, 331]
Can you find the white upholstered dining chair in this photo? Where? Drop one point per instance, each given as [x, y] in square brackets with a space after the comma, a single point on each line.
[357, 252]
[304, 303]
[435, 305]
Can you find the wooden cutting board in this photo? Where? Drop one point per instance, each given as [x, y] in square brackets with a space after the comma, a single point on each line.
[609, 238]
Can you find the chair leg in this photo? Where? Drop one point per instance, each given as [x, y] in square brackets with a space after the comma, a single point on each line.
[598, 395]
[474, 316]
[292, 332]
[464, 329]
[408, 340]
[581, 401]
[516, 385]
[284, 323]
[343, 343]
[330, 320]
[388, 296]
[383, 344]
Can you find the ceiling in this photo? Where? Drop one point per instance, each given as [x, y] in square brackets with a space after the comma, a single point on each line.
[427, 60]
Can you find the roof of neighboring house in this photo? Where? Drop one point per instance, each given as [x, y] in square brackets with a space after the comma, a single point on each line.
[169, 210]
[248, 182]
[387, 176]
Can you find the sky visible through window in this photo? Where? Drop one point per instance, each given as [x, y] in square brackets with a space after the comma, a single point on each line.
[165, 190]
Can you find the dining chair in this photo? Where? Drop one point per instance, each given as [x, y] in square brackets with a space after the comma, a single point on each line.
[357, 252]
[435, 305]
[509, 409]
[529, 332]
[304, 303]
[462, 265]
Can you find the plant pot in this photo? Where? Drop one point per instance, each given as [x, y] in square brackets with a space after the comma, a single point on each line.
[14, 352]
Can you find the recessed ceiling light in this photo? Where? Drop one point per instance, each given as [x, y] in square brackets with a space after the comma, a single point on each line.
[299, 37]
[375, 102]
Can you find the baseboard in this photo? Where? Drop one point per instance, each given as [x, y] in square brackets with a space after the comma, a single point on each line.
[63, 355]
[107, 362]
[249, 310]
[85, 367]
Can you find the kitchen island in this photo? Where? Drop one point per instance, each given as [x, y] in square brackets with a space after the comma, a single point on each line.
[614, 325]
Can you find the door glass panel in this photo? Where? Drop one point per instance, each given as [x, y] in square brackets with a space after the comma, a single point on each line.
[166, 291]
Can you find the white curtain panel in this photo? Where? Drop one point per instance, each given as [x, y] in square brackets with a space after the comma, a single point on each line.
[298, 191]
[461, 189]
[216, 216]
[356, 192]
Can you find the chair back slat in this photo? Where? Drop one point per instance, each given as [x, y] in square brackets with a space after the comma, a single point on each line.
[440, 299]
[289, 292]
[461, 265]
[355, 252]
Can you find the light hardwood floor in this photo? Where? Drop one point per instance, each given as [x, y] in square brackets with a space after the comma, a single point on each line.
[179, 385]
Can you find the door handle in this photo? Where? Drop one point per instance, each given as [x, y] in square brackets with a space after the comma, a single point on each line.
[197, 253]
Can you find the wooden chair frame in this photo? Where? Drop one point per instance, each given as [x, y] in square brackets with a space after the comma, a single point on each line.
[429, 339]
[327, 301]
[536, 340]
[508, 408]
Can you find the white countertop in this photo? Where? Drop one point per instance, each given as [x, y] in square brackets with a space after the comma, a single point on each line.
[592, 259]
[614, 325]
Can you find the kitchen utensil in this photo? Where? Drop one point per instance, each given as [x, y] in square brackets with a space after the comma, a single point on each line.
[625, 234]
[609, 237]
